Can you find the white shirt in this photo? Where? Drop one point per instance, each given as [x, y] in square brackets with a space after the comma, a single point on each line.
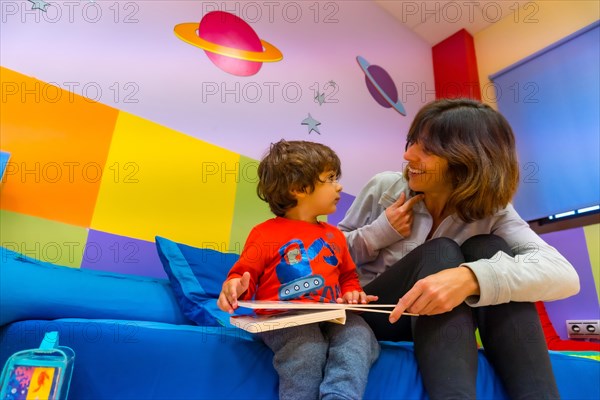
[536, 272]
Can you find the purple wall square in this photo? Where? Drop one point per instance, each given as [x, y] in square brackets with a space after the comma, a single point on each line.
[343, 206]
[584, 305]
[125, 255]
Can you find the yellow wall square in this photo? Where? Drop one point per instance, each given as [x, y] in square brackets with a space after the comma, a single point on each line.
[592, 238]
[162, 182]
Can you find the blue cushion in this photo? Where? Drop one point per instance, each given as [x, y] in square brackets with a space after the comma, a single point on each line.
[4, 157]
[196, 276]
[33, 289]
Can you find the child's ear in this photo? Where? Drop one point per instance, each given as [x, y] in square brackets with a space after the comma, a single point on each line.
[298, 194]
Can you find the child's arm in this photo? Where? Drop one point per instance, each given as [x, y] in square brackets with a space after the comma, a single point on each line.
[231, 291]
[243, 276]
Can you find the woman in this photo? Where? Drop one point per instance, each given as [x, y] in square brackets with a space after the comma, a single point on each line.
[444, 239]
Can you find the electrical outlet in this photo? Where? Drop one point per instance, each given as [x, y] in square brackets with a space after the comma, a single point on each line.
[583, 329]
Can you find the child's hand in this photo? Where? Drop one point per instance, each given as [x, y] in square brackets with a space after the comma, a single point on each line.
[232, 289]
[356, 297]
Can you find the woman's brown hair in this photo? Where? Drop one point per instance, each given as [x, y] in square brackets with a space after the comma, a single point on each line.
[479, 145]
[294, 165]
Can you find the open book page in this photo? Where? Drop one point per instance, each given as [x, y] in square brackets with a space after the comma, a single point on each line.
[293, 313]
[303, 305]
[257, 323]
[299, 305]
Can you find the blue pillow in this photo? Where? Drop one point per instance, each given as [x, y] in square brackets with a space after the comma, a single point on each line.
[34, 289]
[196, 277]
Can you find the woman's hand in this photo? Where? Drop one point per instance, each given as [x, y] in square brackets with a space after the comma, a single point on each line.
[400, 214]
[438, 293]
[356, 297]
[231, 291]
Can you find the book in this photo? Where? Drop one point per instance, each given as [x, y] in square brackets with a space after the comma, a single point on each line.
[257, 323]
[285, 314]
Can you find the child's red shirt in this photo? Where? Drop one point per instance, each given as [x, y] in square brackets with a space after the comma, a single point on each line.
[296, 260]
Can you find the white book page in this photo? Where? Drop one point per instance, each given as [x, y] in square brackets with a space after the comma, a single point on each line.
[299, 305]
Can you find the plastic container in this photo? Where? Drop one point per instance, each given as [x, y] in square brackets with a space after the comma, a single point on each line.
[43, 373]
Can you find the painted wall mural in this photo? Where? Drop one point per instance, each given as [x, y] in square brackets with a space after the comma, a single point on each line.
[119, 129]
[140, 123]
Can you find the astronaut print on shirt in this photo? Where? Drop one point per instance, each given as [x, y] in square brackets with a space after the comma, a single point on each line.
[295, 272]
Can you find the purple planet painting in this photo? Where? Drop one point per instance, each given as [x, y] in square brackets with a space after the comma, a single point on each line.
[229, 42]
[381, 85]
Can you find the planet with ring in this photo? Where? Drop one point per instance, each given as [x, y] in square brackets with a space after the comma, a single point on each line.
[229, 42]
[381, 85]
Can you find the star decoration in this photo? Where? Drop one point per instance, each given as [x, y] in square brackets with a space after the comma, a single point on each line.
[312, 124]
[39, 5]
[320, 98]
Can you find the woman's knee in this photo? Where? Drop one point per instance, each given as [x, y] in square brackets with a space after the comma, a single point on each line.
[484, 246]
[516, 320]
[442, 252]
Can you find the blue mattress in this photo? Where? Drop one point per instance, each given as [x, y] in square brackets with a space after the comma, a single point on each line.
[131, 341]
[119, 359]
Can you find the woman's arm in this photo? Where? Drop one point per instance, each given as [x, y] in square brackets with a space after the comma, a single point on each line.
[536, 272]
[365, 225]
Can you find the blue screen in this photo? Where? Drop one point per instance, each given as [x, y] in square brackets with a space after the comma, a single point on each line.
[551, 99]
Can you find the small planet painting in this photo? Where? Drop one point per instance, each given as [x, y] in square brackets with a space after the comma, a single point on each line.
[229, 42]
[381, 85]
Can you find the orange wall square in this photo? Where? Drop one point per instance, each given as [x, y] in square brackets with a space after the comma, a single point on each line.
[59, 144]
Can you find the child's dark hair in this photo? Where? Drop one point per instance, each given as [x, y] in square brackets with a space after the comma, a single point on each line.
[294, 165]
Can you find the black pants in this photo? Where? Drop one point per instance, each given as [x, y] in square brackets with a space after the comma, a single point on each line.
[445, 344]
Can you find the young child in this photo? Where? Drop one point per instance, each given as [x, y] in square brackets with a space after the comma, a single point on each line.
[296, 257]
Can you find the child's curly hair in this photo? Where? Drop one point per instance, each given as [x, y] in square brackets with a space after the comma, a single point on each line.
[294, 165]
